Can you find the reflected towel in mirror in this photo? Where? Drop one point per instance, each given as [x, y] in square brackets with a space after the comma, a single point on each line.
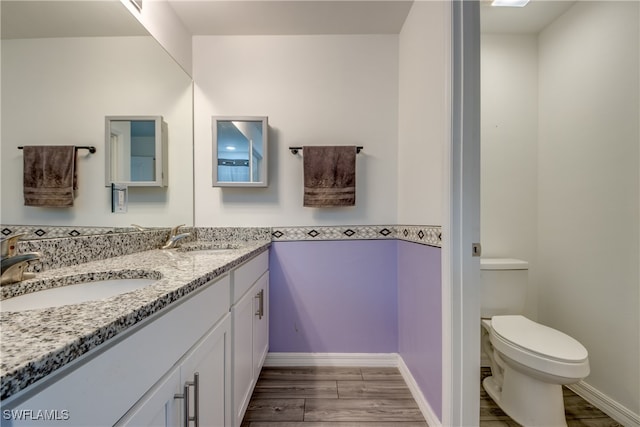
[49, 175]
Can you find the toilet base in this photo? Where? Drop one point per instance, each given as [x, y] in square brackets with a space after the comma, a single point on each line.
[527, 400]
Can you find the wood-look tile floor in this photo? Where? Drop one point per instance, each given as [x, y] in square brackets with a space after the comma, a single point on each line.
[369, 397]
[578, 412]
[332, 396]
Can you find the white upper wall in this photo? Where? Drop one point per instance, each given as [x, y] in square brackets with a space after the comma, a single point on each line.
[509, 126]
[422, 123]
[589, 189]
[58, 91]
[560, 179]
[159, 18]
[316, 90]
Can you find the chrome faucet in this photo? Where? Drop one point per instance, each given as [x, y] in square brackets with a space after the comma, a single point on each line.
[12, 265]
[174, 237]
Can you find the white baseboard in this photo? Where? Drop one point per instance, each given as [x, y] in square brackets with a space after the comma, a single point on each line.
[359, 359]
[427, 412]
[618, 412]
[332, 359]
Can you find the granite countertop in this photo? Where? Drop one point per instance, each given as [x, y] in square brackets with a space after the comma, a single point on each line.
[35, 343]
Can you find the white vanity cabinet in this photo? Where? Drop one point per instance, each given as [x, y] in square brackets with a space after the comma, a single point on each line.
[250, 329]
[196, 392]
[133, 379]
[200, 357]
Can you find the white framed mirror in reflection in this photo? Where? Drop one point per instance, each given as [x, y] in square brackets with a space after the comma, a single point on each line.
[240, 146]
[136, 151]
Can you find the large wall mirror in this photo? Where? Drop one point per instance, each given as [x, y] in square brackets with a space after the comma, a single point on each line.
[240, 151]
[66, 65]
[136, 151]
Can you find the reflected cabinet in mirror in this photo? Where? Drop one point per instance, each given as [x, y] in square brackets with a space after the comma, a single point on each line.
[136, 151]
[240, 151]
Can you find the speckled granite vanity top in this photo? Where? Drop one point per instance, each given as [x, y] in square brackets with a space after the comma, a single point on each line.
[34, 343]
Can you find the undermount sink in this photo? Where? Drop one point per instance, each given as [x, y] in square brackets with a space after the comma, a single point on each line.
[76, 293]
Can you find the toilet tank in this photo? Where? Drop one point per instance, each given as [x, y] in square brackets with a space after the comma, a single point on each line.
[503, 286]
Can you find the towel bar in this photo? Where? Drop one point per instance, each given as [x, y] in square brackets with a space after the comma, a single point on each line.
[294, 150]
[91, 148]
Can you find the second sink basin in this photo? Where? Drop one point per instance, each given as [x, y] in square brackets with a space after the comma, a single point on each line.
[73, 294]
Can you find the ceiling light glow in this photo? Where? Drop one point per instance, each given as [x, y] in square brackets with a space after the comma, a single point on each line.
[510, 3]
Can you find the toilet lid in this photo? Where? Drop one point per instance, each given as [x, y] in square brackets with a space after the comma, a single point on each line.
[539, 339]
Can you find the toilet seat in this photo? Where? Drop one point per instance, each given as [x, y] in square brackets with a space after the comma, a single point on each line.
[539, 347]
[538, 339]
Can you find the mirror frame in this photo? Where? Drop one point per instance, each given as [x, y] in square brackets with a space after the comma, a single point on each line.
[264, 182]
[161, 158]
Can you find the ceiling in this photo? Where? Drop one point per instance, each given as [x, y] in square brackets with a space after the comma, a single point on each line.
[35, 19]
[73, 18]
[284, 17]
[532, 18]
[224, 17]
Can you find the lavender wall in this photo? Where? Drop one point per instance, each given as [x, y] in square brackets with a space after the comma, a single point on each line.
[333, 297]
[420, 318]
[363, 296]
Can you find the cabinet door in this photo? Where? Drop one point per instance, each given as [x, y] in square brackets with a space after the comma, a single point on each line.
[160, 408]
[210, 363]
[243, 374]
[260, 323]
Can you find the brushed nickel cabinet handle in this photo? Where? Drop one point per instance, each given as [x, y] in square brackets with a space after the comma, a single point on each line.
[196, 396]
[184, 395]
[196, 403]
[260, 298]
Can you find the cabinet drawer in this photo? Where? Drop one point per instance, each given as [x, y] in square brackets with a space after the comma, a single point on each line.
[246, 275]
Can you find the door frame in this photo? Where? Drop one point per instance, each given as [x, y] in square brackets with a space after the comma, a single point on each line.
[460, 269]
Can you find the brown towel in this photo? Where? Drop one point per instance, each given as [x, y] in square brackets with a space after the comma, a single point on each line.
[329, 176]
[49, 175]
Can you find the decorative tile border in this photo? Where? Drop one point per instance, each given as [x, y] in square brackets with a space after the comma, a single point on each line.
[427, 235]
[47, 231]
[333, 233]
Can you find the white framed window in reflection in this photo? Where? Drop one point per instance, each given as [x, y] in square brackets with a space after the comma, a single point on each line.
[240, 146]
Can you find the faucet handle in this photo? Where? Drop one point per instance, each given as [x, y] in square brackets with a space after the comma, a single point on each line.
[8, 245]
[174, 230]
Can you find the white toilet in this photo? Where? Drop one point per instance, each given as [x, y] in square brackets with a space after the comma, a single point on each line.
[529, 362]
